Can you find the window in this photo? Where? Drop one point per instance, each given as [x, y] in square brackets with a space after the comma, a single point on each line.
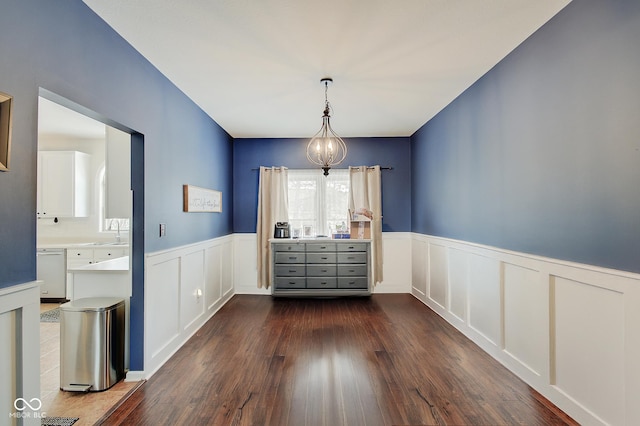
[318, 204]
[109, 224]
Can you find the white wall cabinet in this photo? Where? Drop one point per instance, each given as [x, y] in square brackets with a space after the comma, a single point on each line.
[63, 184]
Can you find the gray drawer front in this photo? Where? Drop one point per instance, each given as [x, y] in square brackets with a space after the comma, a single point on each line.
[328, 282]
[292, 257]
[352, 270]
[288, 247]
[321, 247]
[289, 270]
[355, 282]
[352, 257]
[321, 270]
[321, 258]
[352, 247]
[283, 283]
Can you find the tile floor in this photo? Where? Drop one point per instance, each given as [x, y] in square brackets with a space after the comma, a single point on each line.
[89, 407]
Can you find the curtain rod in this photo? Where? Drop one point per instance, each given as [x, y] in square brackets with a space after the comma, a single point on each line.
[314, 168]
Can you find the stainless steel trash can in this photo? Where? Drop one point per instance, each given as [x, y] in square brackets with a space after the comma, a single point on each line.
[91, 343]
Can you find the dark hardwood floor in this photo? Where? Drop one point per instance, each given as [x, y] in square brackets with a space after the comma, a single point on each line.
[383, 360]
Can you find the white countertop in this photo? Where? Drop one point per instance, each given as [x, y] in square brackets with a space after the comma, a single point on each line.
[82, 245]
[120, 264]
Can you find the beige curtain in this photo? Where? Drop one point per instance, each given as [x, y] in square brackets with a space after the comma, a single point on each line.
[365, 192]
[273, 206]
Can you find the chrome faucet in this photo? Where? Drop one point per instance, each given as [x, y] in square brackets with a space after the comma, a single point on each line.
[118, 238]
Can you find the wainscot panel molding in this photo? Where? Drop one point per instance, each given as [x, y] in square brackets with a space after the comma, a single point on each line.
[184, 288]
[20, 352]
[569, 330]
[396, 248]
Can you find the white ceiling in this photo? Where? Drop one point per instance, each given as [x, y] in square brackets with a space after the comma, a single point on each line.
[255, 66]
[54, 120]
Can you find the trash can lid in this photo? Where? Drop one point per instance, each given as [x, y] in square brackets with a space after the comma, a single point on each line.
[92, 304]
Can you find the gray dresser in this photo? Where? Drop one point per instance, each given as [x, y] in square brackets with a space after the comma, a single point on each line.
[321, 267]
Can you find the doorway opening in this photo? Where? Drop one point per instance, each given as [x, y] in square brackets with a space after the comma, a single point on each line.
[89, 203]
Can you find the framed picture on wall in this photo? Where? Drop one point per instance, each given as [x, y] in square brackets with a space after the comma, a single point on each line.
[6, 104]
[201, 200]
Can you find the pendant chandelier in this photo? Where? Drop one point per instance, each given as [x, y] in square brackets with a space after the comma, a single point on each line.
[326, 148]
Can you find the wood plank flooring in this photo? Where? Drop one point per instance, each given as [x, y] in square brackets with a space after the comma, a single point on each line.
[380, 360]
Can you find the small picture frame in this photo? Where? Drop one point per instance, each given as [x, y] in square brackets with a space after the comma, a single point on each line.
[6, 106]
[307, 231]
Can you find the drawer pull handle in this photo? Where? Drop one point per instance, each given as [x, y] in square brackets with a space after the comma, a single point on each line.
[293, 257]
[292, 283]
[324, 258]
[350, 257]
[292, 270]
[351, 247]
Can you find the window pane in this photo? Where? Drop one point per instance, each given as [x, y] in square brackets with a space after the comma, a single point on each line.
[318, 201]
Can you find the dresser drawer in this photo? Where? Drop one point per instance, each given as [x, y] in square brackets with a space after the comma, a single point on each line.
[288, 247]
[284, 283]
[328, 282]
[321, 258]
[289, 270]
[352, 247]
[355, 282]
[352, 270]
[352, 257]
[290, 257]
[321, 270]
[321, 247]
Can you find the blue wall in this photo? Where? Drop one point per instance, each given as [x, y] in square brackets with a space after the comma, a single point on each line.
[250, 154]
[63, 47]
[542, 155]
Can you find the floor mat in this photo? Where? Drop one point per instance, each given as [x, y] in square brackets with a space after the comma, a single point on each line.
[59, 421]
[50, 316]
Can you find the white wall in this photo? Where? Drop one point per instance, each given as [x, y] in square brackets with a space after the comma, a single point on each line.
[184, 287]
[20, 352]
[396, 263]
[571, 331]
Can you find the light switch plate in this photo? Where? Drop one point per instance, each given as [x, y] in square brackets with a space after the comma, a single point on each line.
[163, 229]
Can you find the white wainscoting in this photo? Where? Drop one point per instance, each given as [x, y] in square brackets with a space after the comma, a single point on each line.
[184, 287]
[20, 352]
[571, 331]
[396, 248]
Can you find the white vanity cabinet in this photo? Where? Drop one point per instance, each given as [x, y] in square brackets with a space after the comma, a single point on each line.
[321, 267]
[63, 184]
